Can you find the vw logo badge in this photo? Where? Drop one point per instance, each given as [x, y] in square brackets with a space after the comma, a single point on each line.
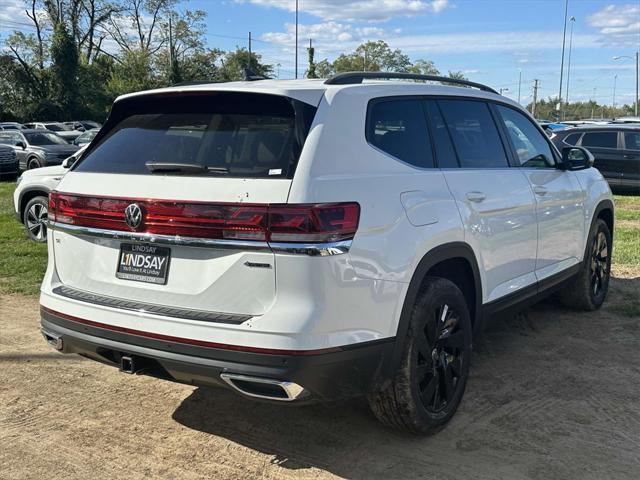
[133, 216]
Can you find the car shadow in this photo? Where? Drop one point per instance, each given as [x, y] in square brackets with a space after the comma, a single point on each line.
[345, 439]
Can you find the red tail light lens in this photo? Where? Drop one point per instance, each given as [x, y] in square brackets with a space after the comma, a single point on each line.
[276, 223]
[313, 223]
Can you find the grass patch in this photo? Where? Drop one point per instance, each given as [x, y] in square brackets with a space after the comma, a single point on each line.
[22, 262]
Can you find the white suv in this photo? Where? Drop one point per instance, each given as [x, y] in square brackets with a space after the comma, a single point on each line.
[313, 240]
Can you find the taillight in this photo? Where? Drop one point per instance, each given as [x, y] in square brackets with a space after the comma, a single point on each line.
[248, 222]
[313, 223]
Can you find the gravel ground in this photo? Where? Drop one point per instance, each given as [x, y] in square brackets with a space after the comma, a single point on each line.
[552, 395]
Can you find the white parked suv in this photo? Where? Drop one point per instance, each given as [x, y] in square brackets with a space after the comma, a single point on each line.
[313, 240]
[31, 196]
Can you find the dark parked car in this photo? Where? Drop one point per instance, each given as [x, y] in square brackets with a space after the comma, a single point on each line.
[8, 162]
[37, 148]
[11, 126]
[615, 147]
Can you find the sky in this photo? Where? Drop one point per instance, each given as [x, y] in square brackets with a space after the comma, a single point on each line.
[492, 41]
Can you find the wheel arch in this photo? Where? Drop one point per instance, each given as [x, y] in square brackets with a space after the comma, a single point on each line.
[605, 211]
[27, 195]
[454, 261]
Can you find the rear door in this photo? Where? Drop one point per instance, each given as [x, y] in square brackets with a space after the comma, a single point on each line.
[608, 157]
[631, 160]
[167, 206]
[495, 201]
[558, 195]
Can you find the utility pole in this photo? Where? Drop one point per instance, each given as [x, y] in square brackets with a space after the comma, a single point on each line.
[564, 38]
[615, 81]
[535, 97]
[296, 39]
[566, 96]
[519, 83]
[249, 50]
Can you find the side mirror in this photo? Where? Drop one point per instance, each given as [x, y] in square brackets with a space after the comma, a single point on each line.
[576, 158]
[68, 162]
[21, 144]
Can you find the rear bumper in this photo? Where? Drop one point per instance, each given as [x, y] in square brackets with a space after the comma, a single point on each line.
[326, 375]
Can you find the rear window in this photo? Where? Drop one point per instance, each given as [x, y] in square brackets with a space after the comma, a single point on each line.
[600, 139]
[572, 139]
[219, 133]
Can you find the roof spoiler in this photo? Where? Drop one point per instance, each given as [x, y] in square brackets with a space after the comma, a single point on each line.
[352, 78]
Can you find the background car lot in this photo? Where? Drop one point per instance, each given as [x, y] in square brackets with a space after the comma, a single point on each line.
[553, 394]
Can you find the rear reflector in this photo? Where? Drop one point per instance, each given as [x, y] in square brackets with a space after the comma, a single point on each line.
[295, 223]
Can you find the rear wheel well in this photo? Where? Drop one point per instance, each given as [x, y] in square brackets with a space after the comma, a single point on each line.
[459, 271]
[26, 198]
[606, 215]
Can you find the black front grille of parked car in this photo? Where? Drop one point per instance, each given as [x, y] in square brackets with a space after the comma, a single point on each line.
[7, 156]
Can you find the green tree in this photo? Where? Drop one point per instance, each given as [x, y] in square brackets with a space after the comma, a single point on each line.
[458, 75]
[234, 64]
[311, 71]
[64, 69]
[424, 67]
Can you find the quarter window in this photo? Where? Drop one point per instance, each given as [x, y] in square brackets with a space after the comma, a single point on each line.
[531, 148]
[600, 139]
[399, 128]
[474, 134]
[572, 139]
[632, 140]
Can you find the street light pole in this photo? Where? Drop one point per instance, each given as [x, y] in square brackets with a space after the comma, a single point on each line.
[519, 83]
[618, 57]
[615, 80]
[566, 96]
[296, 39]
[564, 38]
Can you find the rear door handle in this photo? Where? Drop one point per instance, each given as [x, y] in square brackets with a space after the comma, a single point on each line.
[476, 197]
[629, 157]
[538, 190]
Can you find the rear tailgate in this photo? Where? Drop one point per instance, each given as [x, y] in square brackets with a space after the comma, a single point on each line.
[195, 246]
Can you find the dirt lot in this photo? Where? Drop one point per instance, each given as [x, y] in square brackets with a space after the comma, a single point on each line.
[552, 395]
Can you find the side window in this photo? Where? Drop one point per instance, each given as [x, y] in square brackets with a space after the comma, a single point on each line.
[572, 139]
[399, 128]
[474, 134]
[632, 140]
[531, 147]
[600, 139]
[445, 154]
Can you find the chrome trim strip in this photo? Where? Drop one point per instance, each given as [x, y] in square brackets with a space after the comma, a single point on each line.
[293, 391]
[159, 239]
[149, 308]
[310, 249]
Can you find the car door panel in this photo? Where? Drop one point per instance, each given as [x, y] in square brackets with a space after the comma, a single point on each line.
[608, 159]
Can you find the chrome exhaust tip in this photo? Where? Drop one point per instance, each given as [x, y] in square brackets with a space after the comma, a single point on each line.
[52, 339]
[265, 388]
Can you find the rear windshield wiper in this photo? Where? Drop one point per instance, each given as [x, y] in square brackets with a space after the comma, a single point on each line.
[164, 167]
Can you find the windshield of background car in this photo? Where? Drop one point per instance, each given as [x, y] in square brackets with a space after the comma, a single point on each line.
[55, 128]
[230, 133]
[40, 139]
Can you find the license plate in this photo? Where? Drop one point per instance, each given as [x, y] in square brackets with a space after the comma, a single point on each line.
[143, 263]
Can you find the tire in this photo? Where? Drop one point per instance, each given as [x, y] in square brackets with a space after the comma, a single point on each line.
[588, 289]
[34, 218]
[429, 384]
[32, 163]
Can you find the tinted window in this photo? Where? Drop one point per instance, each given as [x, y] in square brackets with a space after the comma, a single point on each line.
[600, 139]
[399, 128]
[9, 138]
[532, 148]
[224, 134]
[572, 139]
[632, 140]
[44, 138]
[474, 134]
[54, 127]
[445, 155]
